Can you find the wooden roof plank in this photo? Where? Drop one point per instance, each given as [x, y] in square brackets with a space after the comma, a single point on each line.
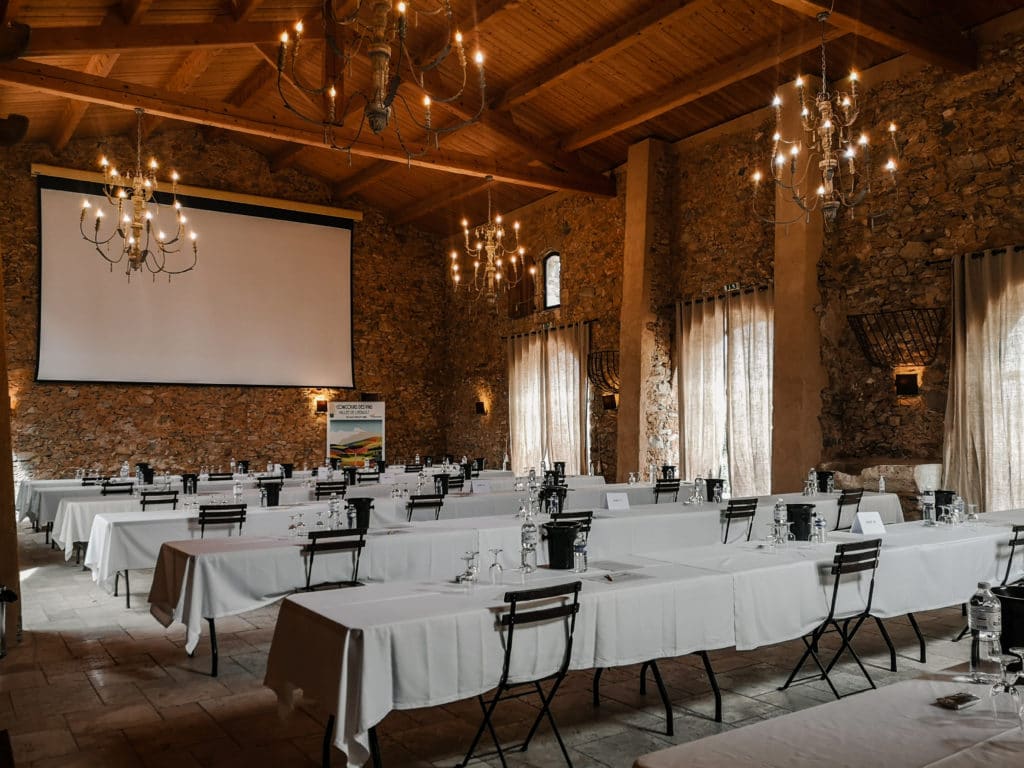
[132, 11]
[122, 95]
[427, 205]
[74, 111]
[932, 38]
[244, 9]
[593, 52]
[362, 179]
[285, 157]
[790, 45]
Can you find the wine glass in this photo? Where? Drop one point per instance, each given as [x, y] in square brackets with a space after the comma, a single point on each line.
[496, 571]
[1008, 684]
[300, 527]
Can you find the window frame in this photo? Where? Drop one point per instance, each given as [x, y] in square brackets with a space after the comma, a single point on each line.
[545, 261]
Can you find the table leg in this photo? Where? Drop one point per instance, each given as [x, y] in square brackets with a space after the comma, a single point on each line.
[213, 648]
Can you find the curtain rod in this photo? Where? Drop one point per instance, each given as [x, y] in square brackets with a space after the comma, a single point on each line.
[711, 295]
[976, 255]
[547, 327]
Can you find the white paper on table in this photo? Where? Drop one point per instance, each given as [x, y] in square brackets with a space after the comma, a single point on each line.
[481, 486]
[868, 522]
[617, 500]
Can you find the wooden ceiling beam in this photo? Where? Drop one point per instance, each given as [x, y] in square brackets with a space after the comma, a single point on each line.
[132, 11]
[118, 38]
[285, 157]
[277, 125]
[74, 111]
[427, 205]
[932, 37]
[604, 47]
[184, 77]
[716, 77]
[360, 180]
[243, 10]
[483, 10]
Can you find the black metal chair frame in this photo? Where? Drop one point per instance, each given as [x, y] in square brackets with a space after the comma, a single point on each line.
[159, 498]
[664, 487]
[269, 480]
[424, 501]
[456, 482]
[413, 468]
[111, 489]
[338, 540]
[367, 477]
[327, 487]
[652, 664]
[526, 607]
[1016, 540]
[851, 557]
[220, 476]
[739, 509]
[848, 498]
[221, 514]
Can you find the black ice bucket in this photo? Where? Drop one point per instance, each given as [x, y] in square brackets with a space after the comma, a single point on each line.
[713, 484]
[561, 536]
[943, 499]
[668, 471]
[823, 477]
[287, 469]
[800, 516]
[273, 492]
[362, 507]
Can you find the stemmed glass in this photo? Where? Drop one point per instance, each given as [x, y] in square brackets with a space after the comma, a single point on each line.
[300, 527]
[320, 522]
[293, 528]
[468, 576]
[1008, 684]
[496, 571]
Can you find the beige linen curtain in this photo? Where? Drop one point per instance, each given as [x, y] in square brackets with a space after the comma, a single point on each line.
[984, 428]
[548, 398]
[725, 349]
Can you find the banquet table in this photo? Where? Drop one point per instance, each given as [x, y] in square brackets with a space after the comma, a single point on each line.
[895, 725]
[410, 645]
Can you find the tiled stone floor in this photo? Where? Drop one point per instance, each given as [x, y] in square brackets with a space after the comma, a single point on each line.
[94, 684]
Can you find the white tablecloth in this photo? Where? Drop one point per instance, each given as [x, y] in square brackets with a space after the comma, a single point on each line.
[403, 646]
[898, 725]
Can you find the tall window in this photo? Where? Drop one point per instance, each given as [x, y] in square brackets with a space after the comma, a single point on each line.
[983, 451]
[548, 398]
[552, 280]
[725, 389]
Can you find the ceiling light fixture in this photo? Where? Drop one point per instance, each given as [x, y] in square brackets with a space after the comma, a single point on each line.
[833, 144]
[133, 197]
[383, 31]
[496, 266]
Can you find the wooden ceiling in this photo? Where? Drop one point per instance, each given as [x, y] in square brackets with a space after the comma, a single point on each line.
[571, 84]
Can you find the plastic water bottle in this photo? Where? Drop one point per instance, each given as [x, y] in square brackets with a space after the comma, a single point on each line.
[528, 543]
[237, 491]
[504, 463]
[781, 512]
[124, 469]
[579, 553]
[881, 483]
[985, 619]
[138, 476]
[234, 466]
[818, 535]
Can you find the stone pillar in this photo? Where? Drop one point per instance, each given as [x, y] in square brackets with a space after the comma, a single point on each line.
[636, 318]
[798, 370]
[9, 571]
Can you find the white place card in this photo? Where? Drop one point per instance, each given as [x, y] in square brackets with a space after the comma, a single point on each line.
[481, 486]
[617, 500]
[868, 522]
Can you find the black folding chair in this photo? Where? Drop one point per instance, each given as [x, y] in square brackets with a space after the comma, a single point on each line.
[584, 518]
[220, 476]
[350, 540]
[221, 514]
[327, 487]
[664, 488]
[411, 468]
[1016, 540]
[739, 509]
[368, 477]
[110, 488]
[456, 483]
[159, 499]
[850, 498]
[431, 501]
[530, 607]
[269, 480]
[852, 557]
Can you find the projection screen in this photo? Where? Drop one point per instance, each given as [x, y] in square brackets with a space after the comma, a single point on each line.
[269, 302]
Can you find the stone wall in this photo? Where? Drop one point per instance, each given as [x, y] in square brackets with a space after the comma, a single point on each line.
[960, 189]
[58, 427]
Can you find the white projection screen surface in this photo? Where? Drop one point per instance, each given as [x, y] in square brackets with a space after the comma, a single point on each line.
[269, 302]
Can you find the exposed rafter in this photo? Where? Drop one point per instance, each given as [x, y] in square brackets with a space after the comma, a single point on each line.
[482, 11]
[116, 38]
[285, 157]
[184, 77]
[360, 180]
[244, 9]
[933, 37]
[74, 111]
[122, 95]
[431, 203]
[684, 91]
[132, 11]
[606, 46]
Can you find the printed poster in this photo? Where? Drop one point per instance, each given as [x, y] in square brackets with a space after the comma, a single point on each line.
[355, 432]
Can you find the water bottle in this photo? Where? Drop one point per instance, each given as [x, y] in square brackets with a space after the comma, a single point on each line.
[270, 467]
[138, 476]
[234, 466]
[780, 514]
[698, 490]
[831, 484]
[528, 543]
[881, 483]
[504, 463]
[124, 469]
[263, 496]
[652, 475]
[985, 619]
[579, 553]
[416, 461]
[237, 491]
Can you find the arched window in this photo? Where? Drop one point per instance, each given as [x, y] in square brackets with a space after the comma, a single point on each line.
[552, 280]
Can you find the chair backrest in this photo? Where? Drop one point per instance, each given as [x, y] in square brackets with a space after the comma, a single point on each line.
[409, 468]
[740, 509]
[269, 480]
[159, 498]
[339, 540]
[848, 498]
[110, 487]
[368, 477]
[220, 476]
[93, 480]
[327, 487]
[432, 501]
[221, 514]
[584, 518]
[663, 487]
[536, 606]
[456, 482]
[855, 557]
[1016, 540]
